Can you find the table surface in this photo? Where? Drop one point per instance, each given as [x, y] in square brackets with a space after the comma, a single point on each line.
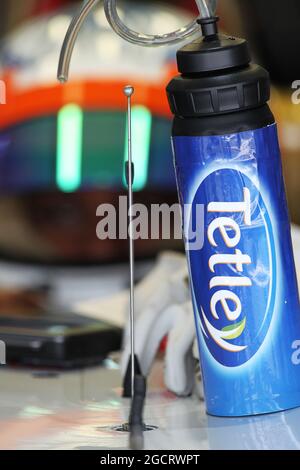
[80, 410]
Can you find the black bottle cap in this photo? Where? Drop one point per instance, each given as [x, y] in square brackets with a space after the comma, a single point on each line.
[216, 76]
[213, 51]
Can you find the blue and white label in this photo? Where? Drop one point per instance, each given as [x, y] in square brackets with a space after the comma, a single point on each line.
[242, 274]
[238, 265]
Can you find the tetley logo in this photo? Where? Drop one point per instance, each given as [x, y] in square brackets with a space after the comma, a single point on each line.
[238, 261]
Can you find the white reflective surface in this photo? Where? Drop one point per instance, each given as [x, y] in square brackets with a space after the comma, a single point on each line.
[79, 410]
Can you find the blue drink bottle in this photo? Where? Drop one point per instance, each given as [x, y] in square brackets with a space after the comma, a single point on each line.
[236, 226]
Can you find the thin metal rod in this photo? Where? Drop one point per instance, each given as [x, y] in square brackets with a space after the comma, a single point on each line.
[129, 91]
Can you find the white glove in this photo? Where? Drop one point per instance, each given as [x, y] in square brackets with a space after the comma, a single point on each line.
[164, 308]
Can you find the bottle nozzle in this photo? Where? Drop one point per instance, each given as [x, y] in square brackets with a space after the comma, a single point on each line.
[209, 26]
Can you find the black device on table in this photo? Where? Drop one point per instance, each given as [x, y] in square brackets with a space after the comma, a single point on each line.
[57, 340]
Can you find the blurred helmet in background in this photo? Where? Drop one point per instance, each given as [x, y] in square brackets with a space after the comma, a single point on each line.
[63, 148]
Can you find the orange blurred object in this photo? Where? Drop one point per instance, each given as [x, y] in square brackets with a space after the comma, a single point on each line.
[23, 104]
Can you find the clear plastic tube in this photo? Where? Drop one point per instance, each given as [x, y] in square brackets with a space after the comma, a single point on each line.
[206, 8]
